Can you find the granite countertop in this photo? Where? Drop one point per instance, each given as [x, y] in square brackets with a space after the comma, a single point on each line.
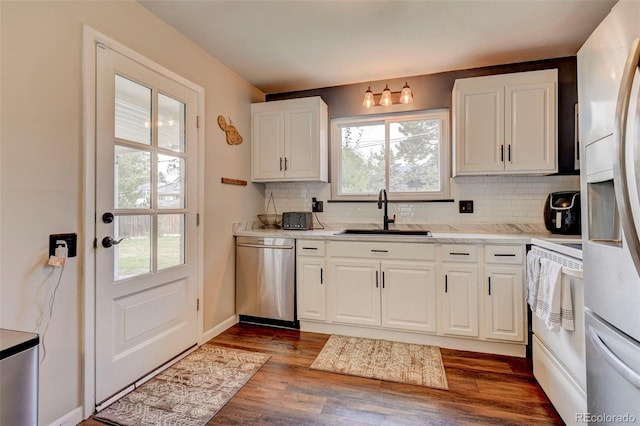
[470, 234]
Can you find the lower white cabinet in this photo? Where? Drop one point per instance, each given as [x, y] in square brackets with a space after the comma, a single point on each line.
[310, 280]
[409, 296]
[312, 298]
[504, 303]
[355, 295]
[470, 291]
[381, 289]
[460, 300]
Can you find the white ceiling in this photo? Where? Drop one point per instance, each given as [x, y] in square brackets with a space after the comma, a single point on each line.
[293, 45]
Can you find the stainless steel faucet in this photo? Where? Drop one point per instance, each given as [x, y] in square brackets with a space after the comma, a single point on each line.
[382, 198]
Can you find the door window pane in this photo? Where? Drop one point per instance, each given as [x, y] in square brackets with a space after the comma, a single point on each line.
[132, 178]
[170, 240]
[132, 111]
[363, 163]
[170, 182]
[414, 156]
[133, 255]
[171, 123]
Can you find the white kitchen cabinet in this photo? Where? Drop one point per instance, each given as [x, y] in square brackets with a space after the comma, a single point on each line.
[289, 140]
[355, 296]
[459, 289]
[506, 124]
[504, 303]
[460, 300]
[504, 292]
[409, 296]
[310, 280]
[383, 284]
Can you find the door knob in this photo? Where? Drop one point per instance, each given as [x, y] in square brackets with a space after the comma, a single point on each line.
[108, 242]
[107, 217]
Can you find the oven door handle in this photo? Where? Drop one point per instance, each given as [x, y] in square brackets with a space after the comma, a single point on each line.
[577, 273]
[623, 369]
[264, 246]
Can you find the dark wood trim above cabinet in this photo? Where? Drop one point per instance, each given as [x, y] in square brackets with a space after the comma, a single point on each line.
[433, 91]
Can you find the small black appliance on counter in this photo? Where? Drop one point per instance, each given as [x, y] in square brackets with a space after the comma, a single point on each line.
[301, 221]
[562, 212]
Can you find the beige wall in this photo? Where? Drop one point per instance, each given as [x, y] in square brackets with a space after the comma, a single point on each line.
[42, 168]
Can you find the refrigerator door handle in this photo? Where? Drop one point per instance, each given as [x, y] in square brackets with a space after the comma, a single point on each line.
[623, 369]
[619, 159]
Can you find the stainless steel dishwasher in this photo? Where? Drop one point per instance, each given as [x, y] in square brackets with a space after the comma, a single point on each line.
[265, 281]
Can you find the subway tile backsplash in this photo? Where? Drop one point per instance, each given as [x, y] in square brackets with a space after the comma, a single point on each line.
[496, 199]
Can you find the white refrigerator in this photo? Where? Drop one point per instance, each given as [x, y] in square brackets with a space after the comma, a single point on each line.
[609, 132]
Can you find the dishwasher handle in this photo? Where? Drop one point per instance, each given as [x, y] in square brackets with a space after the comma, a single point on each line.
[287, 247]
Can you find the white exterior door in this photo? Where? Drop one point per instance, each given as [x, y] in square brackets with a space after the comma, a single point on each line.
[146, 230]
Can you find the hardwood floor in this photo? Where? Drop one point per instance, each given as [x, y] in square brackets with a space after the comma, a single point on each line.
[483, 389]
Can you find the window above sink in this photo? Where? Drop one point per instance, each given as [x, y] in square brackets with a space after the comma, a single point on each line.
[405, 153]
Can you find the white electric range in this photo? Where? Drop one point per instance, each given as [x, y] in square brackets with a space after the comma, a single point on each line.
[559, 356]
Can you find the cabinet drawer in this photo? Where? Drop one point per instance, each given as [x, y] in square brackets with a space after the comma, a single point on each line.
[382, 250]
[504, 254]
[460, 252]
[310, 247]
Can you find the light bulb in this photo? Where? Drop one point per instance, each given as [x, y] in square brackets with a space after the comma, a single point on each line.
[406, 96]
[368, 101]
[385, 99]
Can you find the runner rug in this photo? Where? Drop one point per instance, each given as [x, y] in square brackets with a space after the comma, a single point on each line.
[384, 360]
[188, 393]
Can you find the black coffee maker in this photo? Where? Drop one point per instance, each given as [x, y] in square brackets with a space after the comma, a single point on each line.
[562, 212]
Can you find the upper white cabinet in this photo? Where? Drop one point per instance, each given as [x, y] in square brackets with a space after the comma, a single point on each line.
[289, 140]
[506, 124]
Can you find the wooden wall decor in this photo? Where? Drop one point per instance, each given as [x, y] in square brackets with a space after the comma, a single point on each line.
[233, 136]
[231, 181]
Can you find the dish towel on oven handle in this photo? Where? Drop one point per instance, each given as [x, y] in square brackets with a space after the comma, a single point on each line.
[533, 279]
[553, 300]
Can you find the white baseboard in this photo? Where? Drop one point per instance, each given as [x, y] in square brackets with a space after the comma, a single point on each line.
[72, 418]
[218, 329]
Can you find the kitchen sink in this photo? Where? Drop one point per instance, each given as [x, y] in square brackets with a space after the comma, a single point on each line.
[387, 232]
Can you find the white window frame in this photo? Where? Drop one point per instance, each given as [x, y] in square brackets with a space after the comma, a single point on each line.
[445, 155]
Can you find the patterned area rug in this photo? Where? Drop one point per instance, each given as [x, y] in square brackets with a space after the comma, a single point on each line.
[188, 393]
[381, 359]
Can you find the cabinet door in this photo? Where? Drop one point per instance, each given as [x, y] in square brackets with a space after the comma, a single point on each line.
[504, 303]
[409, 296]
[479, 127]
[460, 300]
[301, 144]
[530, 127]
[312, 298]
[267, 145]
[355, 291]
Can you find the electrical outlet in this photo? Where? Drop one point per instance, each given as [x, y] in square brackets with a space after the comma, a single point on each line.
[316, 206]
[70, 239]
[466, 206]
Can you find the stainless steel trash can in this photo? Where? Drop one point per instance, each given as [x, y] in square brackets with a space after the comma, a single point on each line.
[18, 378]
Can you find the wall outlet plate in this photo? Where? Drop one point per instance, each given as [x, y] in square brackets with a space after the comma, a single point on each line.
[466, 206]
[70, 239]
[316, 206]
